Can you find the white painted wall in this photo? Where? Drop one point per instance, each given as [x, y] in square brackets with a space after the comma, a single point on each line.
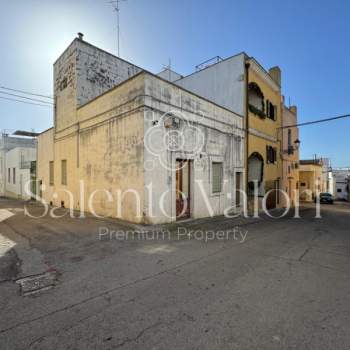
[6, 144]
[19, 159]
[222, 83]
[223, 142]
[341, 180]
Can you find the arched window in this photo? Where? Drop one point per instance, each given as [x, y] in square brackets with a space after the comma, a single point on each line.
[255, 172]
[256, 99]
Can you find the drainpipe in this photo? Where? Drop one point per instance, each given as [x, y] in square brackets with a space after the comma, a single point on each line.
[247, 65]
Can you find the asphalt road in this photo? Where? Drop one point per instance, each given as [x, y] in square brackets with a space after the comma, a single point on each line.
[260, 284]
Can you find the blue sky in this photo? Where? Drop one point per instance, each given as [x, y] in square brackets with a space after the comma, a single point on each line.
[309, 40]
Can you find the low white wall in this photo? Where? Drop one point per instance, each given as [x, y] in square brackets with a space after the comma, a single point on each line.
[15, 159]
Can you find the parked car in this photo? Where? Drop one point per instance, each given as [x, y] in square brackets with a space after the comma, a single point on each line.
[325, 198]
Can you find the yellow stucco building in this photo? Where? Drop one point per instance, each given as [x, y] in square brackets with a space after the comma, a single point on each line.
[263, 128]
[310, 179]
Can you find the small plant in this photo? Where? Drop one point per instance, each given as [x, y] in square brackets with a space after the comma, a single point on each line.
[257, 111]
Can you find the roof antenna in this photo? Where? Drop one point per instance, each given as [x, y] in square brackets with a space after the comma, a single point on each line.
[168, 67]
[115, 5]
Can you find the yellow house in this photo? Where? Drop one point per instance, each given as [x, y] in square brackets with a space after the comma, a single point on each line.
[242, 85]
[310, 178]
[263, 127]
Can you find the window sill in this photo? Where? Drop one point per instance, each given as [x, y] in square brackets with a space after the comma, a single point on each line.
[216, 194]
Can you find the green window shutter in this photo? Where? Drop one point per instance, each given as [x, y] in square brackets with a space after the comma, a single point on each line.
[267, 154]
[217, 177]
[64, 172]
[51, 173]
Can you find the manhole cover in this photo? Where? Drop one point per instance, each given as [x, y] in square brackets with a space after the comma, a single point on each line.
[38, 283]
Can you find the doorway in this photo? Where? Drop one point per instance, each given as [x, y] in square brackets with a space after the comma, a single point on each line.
[238, 189]
[183, 188]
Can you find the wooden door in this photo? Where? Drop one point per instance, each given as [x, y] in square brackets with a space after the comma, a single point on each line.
[183, 188]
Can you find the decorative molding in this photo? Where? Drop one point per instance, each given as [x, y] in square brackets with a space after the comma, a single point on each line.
[262, 135]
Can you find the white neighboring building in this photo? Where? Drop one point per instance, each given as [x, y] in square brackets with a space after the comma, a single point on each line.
[8, 143]
[19, 169]
[342, 183]
[328, 178]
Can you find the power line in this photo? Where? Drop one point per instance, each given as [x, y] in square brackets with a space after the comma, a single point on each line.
[29, 103]
[27, 98]
[316, 121]
[26, 92]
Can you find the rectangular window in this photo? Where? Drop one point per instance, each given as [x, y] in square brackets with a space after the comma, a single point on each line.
[64, 172]
[14, 175]
[289, 138]
[217, 177]
[270, 110]
[8, 175]
[271, 154]
[51, 173]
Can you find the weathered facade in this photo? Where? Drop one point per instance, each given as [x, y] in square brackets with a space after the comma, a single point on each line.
[129, 144]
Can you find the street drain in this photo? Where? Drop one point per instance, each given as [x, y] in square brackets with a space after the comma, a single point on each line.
[38, 283]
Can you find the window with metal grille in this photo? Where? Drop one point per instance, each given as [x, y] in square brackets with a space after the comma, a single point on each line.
[216, 177]
[51, 173]
[64, 172]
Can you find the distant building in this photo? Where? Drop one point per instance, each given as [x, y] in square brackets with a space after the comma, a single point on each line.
[20, 164]
[310, 179]
[290, 154]
[8, 143]
[328, 178]
[342, 176]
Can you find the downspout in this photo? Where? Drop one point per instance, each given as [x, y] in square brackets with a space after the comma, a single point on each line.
[246, 66]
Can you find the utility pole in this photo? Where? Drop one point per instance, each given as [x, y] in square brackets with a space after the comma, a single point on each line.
[115, 5]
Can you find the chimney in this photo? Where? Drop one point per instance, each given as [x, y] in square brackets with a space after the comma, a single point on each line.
[293, 109]
[80, 36]
[275, 73]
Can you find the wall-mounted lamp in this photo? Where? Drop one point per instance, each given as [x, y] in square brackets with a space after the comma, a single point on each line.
[297, 144]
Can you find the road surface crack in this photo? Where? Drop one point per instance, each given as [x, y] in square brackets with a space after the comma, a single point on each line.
[303, 255]
[139, 335]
